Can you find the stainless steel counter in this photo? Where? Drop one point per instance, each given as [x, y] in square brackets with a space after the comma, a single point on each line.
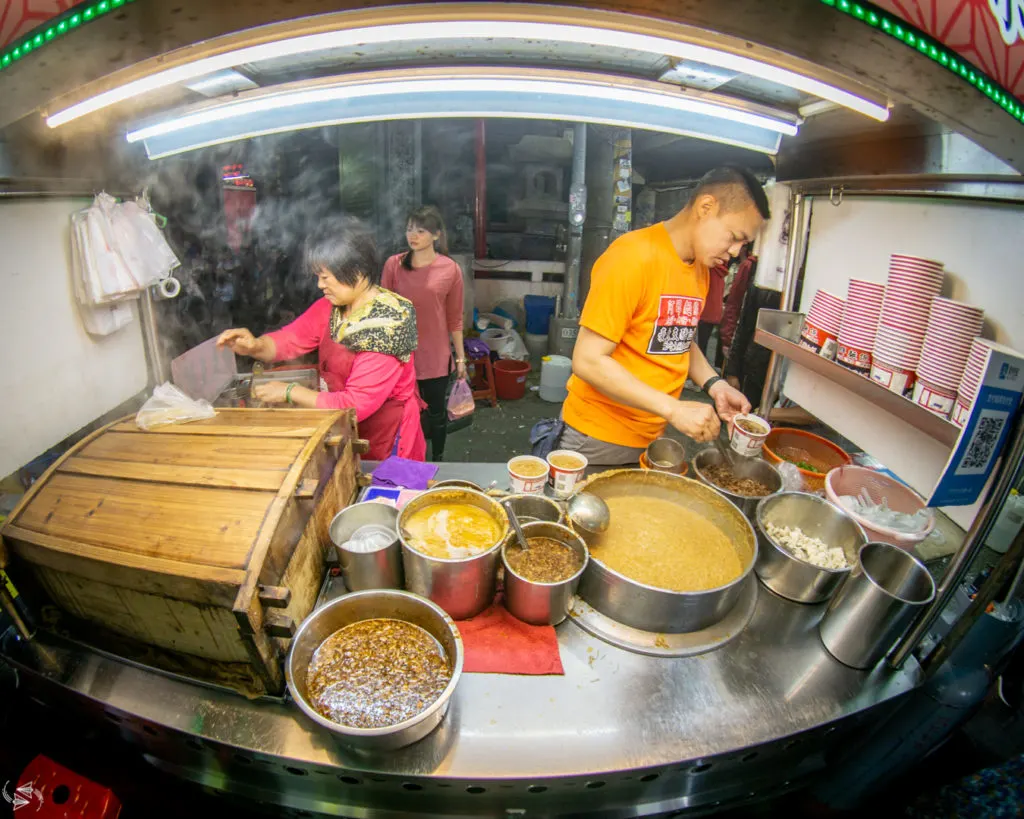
[620, 733]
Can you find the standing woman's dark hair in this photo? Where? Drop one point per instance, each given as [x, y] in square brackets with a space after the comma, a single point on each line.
[428, 218]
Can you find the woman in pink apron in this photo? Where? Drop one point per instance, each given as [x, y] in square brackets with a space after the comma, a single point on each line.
[365, 336]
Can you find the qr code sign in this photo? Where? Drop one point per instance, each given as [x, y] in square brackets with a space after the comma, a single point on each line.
[982, 447]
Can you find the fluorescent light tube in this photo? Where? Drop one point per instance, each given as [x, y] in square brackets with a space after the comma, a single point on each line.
[469, 29]
[467, 92]
[457, 85]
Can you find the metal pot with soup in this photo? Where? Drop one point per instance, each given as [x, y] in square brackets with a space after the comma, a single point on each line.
[676, 555]
[451, 541]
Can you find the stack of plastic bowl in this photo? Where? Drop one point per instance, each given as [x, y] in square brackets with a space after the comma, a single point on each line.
[860, 325]
[952, 328]
[912, 286]
[821, 326]
[970, 383]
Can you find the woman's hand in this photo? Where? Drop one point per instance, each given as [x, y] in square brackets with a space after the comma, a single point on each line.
[240, 341]
[272, 392]
[460, 368]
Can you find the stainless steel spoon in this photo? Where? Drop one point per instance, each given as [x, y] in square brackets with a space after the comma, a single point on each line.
[515, 526]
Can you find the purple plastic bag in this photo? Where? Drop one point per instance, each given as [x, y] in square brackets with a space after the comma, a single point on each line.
[460, 402]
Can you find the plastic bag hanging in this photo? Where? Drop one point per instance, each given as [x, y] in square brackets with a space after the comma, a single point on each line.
[460, 402]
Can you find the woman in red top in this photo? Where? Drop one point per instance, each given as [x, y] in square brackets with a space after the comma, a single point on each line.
[433, 283]
[365, 336]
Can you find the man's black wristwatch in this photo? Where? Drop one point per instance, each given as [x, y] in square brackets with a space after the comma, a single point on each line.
[710, 383]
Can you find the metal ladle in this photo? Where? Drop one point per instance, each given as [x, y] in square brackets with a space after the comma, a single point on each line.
[589, 512]
[515, 525]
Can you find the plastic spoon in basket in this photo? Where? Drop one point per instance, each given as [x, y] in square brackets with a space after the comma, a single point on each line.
[515, 525]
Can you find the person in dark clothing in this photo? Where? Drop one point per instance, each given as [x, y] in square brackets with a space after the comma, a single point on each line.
[747, 364]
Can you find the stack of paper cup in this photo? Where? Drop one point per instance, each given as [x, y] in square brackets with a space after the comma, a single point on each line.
[821, 326]
[859, 326]
[952, 328]
[912, 286]
[970, 383]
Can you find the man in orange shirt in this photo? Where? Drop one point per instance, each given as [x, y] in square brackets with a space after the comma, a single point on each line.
[636, 344]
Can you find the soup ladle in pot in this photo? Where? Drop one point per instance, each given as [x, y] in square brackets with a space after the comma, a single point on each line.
[520, 537]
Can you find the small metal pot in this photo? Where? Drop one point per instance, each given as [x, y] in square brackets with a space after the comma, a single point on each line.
[788, 576]
[753, 468]
[381, 569]
[543, 604]
[535, 509]
[462, 586]
[666, 455]
[369, 605]
[457, 483]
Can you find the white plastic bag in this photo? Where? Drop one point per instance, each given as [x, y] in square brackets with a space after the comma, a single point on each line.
[370, 538]
[141, 244]
[792, 480]
[98, 319]
[514, 348]
[169, 405]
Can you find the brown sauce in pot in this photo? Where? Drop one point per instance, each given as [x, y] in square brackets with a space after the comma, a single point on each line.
[722, 476]
[377, 673]
[546, 561]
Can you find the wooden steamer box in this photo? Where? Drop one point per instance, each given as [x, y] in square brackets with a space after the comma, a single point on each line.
[205, 539]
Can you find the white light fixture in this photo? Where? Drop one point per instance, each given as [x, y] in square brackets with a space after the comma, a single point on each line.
[467, 92]
[460, 85]
[489, 30]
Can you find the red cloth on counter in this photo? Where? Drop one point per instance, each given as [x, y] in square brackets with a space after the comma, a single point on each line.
[495, 642]
[436, 293]
[380, 387]
[713, 303]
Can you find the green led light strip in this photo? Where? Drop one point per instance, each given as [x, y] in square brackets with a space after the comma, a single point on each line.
[936, 51]
[56, 28]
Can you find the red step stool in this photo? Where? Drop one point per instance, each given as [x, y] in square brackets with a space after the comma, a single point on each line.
[46, 790]
[482, 380]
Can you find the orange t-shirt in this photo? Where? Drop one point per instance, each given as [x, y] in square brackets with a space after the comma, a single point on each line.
[648, 301]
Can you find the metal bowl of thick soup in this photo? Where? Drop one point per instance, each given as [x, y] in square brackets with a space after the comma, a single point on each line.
[669, 522]
[461, 583]
[371, 605]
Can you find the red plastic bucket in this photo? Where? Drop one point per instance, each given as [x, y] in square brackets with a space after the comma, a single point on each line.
[510, 379]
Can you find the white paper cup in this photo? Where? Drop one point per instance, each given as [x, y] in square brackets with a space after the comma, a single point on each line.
[527, 474]
[747, 443]
[565, 471]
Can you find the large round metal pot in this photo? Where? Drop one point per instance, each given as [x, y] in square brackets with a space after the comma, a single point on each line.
[752, 468]
[462, 586]
[648, 607]
[796, 579]
[368, 605]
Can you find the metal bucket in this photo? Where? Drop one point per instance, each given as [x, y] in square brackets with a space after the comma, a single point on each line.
[462, 586]
[381, 569]
[649, 608]
[753, 468]
[875, 605]
[368, 605]
[543, 604]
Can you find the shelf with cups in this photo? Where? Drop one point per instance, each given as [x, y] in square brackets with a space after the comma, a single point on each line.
[910, 440]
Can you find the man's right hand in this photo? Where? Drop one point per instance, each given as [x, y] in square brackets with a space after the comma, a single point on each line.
[696, 420]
